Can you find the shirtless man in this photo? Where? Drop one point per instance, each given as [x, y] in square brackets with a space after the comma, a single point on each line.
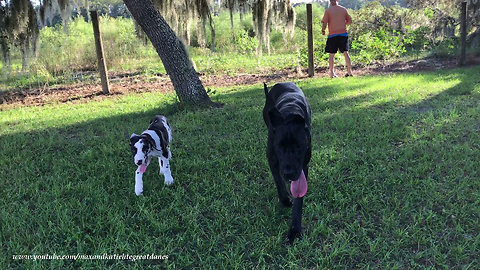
[337, 19]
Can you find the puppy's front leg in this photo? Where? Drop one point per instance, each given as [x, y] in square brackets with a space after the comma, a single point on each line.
[296, 227]
[165, 170]
[138, 182]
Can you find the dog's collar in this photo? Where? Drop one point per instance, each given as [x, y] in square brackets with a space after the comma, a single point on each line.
[155, 137]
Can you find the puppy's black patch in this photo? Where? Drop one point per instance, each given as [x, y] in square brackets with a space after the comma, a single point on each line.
[159, 128]
[133, 140]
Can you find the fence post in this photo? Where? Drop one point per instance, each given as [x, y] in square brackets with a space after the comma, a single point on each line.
[463, 33]
[102, 67]
[310, 40]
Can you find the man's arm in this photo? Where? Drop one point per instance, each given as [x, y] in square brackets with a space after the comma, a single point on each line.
[348, 19]
[324, 22]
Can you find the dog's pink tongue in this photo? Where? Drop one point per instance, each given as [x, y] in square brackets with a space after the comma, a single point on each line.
[143, 168]
[299, 187]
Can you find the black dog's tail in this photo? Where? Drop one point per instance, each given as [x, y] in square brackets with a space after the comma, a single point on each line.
[266, 89]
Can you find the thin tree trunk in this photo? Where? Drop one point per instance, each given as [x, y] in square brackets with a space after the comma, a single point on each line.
[7, 62]
[172, 52]
[212, 30]
[24, 53]
[202, 33]
[186, 25]
[267, 30]
[186, 32]
[87, 8]
[231, 23]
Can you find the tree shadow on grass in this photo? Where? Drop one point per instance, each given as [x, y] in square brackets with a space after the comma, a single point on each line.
[385, 180]
[405, 169]
[397, 166]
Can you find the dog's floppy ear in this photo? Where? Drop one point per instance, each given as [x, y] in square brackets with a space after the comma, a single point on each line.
[275, 117]
[132, 137]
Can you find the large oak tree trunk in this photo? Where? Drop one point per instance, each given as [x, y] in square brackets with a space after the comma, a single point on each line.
[172, 52]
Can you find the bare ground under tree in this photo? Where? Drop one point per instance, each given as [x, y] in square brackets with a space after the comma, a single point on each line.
[125, 83]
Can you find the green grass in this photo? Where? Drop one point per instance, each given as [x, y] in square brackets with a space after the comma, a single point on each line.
[394, 180]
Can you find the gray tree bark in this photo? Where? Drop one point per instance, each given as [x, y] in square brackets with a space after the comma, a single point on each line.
[172, 52]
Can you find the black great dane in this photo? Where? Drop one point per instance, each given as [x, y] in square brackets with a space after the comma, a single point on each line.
[288, 118]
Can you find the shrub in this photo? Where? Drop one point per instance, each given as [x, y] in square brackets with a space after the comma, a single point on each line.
[445, 48]
[416, 40]
[382, 45]
[245, 43]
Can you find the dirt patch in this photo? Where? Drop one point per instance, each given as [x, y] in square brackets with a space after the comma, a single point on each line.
[125, 83]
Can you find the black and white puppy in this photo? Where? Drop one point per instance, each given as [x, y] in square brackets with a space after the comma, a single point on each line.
[287, 115]
[153, 142]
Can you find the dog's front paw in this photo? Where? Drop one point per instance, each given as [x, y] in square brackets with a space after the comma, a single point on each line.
[168, 180]
[294, 233]
[140, 193]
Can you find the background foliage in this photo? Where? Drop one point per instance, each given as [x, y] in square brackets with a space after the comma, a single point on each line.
[380, 33]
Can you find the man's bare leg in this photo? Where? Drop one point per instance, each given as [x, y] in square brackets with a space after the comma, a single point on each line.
[331, 60]
[348, 62]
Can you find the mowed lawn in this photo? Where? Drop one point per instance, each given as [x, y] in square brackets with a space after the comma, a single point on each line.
[394, 180]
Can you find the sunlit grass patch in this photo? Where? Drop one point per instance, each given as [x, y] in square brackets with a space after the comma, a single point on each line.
[394, 179]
